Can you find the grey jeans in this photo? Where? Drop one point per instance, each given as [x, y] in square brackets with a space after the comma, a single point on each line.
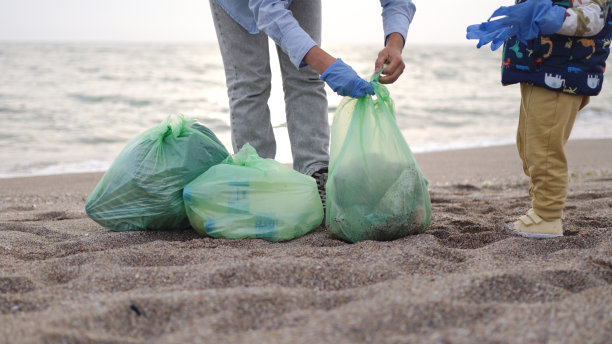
[246, 60]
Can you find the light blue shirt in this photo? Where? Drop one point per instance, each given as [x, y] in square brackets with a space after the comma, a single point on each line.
[275, 19]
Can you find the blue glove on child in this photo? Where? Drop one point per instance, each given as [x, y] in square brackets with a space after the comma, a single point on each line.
[345, 81]
[525, 21]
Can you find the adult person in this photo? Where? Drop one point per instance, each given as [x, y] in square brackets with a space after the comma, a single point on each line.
[243, 28]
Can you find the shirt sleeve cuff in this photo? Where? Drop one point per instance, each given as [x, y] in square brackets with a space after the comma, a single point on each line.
[397, 16]
[399, 25]
[296, 43]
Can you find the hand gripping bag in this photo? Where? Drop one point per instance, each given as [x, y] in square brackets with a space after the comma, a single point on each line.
[375, 189]
[247, 196]
[143, 188]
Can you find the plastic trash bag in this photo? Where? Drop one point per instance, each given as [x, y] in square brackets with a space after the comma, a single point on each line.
[143, 188]
[375, 189]
[251, 197]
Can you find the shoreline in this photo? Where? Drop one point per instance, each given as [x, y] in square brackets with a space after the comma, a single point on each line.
[575, 149]
[64, 278]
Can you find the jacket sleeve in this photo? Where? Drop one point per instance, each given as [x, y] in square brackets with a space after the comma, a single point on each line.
[397, 16]
[275, 19]
[585, 18]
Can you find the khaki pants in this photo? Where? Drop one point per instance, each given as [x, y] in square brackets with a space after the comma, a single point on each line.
[545, 122]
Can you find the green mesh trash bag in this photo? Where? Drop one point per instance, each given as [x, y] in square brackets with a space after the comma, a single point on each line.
[247, 196]
[143, 188]
[375, 189]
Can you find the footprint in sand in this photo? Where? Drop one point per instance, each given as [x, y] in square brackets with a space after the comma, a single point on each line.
[52, 215]
[16, 284]
[58, 273]
[445, 254]
[295, 275]
[473, 240]
[36, 230]
[511, 288]
[571, 280]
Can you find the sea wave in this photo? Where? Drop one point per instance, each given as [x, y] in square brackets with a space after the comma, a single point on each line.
[113, 98]
[52, 168]
[447, 99]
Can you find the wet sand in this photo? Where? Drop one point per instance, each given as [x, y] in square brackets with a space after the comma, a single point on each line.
[65, 279]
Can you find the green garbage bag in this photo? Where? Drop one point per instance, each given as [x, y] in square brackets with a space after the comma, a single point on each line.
[143, 188]
[375, 189]
[247, 196]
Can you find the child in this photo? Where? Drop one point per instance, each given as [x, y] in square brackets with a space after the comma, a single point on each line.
[556, 50]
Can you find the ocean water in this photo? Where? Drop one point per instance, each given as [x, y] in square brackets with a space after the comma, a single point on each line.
[73, 107]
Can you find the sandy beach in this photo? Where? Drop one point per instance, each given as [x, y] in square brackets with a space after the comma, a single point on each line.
[65, 279]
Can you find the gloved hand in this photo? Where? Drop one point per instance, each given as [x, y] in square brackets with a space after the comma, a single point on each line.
[525, 21]
[345, 81]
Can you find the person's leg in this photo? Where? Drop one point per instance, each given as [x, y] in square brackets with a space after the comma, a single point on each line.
[545, 123]
[246, 60]
[520, 132]
[305, 98]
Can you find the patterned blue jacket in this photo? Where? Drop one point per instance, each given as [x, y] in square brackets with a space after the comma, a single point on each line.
[569, 64]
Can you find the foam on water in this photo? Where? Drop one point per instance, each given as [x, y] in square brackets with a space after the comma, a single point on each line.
[42, 169]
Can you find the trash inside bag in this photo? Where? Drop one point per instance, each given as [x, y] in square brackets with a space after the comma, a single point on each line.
[143, 188]
[375, 189]
[247, 196]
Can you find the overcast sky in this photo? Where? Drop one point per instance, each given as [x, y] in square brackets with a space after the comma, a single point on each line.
[436, 21]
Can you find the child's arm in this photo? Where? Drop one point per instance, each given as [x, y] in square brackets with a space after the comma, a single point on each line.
[585, 18]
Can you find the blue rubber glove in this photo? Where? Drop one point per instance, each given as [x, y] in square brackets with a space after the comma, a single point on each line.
[345, 81]
[525, 21]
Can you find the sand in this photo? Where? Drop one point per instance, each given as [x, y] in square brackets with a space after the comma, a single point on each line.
[65, 279]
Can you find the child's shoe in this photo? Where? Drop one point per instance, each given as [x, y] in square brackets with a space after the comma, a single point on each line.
[533, 226]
